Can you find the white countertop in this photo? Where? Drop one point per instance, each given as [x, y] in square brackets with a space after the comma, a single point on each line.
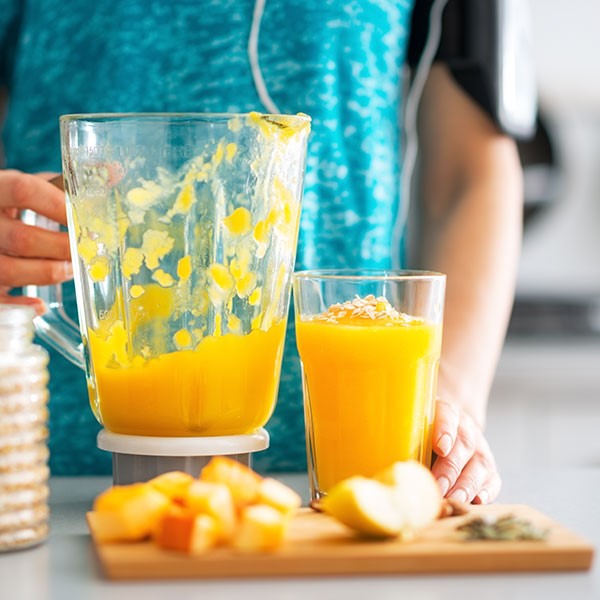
[65, 567]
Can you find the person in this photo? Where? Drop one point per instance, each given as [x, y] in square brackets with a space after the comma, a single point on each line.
[339, 61]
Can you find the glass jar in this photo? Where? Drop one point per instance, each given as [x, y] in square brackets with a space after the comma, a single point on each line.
[23, 431]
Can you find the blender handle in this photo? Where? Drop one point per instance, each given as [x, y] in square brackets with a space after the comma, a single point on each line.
[54, 327]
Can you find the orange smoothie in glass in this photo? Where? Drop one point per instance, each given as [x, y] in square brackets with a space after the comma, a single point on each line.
[226, 385]
[370, 375]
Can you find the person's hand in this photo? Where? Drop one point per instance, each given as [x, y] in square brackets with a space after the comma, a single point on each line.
[465, 468]
[31, 255]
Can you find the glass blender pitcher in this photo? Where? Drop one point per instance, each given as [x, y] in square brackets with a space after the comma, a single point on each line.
[183, 232]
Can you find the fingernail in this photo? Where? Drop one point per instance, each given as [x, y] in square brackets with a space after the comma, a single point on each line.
[483, 497]
[68, 268]
[444, 484]
[445, 444]
[459, 495]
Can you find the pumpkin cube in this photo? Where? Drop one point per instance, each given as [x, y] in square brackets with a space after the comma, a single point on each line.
[172, 484]
[278, 495]
[184, 531]
[262, 528]
[128, 513]
[215, 500]
[241, 480]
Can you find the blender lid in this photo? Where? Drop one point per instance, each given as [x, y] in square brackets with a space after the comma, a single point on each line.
[183, 446]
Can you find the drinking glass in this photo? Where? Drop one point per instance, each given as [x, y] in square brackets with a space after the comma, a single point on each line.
[369, 345]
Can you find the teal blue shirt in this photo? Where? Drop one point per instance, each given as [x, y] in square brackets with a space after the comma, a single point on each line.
[338, 61]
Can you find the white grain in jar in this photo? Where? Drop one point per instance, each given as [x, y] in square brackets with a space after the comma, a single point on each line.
[23, 417]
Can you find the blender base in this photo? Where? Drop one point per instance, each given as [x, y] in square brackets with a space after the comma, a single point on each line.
[140, 458]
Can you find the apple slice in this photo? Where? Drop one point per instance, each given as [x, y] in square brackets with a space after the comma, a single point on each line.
[128, 513]
[261, 528]
[215, 500]
[241, 480]
[366, 506]
[417, 496]
[182, 530]
[278, 495]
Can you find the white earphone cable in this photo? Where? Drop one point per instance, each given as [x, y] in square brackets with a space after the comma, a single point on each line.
[411, 140]
[257, 77]
[411, 106]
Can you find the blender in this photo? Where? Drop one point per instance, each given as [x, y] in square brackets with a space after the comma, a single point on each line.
[183, 231]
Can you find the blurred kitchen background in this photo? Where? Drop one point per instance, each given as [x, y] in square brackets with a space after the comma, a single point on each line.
[545, 405]
[561, 252]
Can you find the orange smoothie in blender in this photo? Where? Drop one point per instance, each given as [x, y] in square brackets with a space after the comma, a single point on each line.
[226, 385]
[369, 375]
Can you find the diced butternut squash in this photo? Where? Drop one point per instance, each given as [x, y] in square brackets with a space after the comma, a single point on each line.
[185, 531]
[129, 512]
[109, 527]
[278, 495]
[241, 480]
[228, 504]
[172, 484]
[261, 528]
[215, 500]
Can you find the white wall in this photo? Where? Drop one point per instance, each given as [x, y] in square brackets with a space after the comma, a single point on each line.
[544, 409]
[561, 250]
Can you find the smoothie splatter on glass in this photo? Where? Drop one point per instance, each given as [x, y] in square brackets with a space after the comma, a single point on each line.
[185, 230]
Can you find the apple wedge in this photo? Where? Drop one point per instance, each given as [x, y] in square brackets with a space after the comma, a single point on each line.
[366, 506]
[417, 497]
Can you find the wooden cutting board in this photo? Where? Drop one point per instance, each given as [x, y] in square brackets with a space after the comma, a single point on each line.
[318, 545]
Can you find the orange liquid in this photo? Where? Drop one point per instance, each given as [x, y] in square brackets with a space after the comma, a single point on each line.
[369, 394]
[227, 385]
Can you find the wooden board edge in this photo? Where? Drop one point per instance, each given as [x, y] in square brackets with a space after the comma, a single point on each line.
[579, 556]
[250, 570]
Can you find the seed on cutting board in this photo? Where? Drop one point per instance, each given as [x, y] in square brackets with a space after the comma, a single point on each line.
[505, 528]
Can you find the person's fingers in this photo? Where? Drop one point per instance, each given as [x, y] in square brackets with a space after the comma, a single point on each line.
[489, 490]
[28, 241]
[471, 480]
[464, 466]
[48, 175]
[24, 191]
[17, 272]
[36, 303]
[445, 427]
[447, 469]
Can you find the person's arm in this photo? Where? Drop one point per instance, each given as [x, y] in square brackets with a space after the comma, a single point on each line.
[471, 194]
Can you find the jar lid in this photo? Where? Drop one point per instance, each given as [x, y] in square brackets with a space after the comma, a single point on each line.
[183, 446]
